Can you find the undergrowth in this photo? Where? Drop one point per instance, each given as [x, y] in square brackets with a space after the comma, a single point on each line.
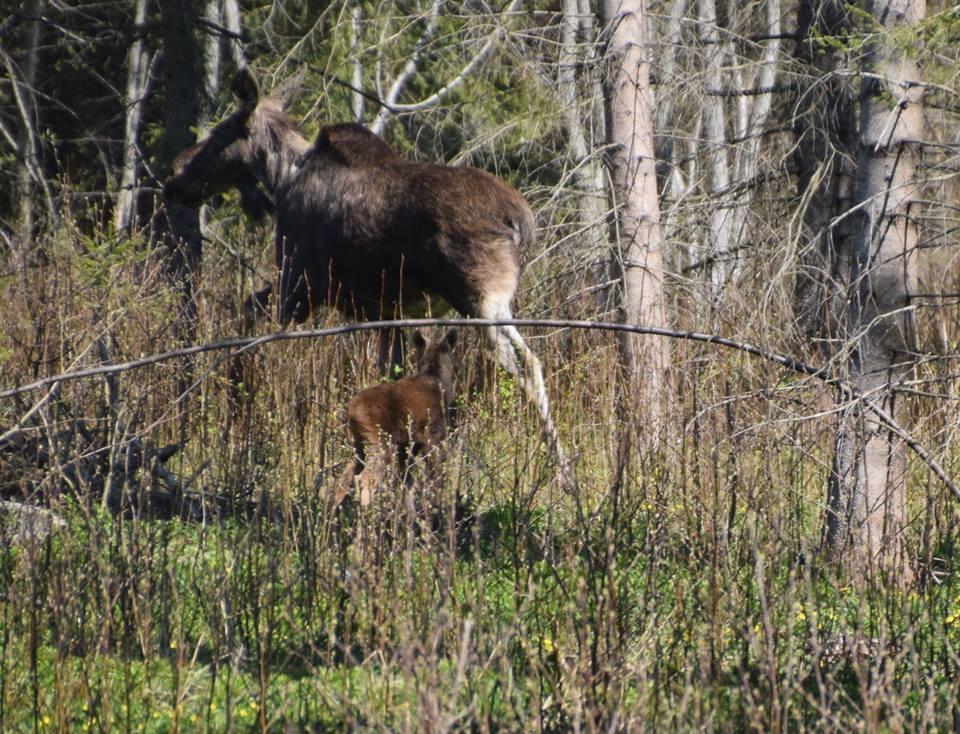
[683, 590]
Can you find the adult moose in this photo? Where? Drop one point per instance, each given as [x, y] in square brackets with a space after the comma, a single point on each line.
[362, 230]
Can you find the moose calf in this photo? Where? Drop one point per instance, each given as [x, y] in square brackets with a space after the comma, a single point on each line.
[408, 415]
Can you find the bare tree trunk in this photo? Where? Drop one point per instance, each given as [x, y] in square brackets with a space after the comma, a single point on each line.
[138, 68]
[356, 30]
[179, 230]
[866, 516]
[629, 107]
[664, 134]
[30, 172]
[825, 128]
[231, 21]
[752, 120]
[587, 170]
[715, 134]
[684, 174]
[211, 58]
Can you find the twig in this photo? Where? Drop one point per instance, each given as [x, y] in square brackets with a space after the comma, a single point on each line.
[222, 31]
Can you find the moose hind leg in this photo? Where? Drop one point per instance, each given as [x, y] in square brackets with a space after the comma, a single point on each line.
[520, 361]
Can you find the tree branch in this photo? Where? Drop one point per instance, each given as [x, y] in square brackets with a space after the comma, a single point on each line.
[409, 69]
[467, 70]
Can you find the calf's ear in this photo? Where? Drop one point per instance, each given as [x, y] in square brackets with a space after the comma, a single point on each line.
[419, 342]
[449, 341]
[245, 88]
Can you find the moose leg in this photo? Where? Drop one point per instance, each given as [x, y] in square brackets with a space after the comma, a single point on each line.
[372, 469]
[241, 372]
[520, 361]
[368, 481]
[256, 307]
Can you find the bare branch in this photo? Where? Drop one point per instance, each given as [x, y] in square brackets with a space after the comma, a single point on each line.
[28, 152]
[467, 70]
[409, 69]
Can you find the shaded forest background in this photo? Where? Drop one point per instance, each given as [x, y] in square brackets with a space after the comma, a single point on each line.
[699, 577]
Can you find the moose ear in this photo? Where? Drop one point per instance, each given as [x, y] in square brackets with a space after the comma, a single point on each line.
[245, 88]
[449, 341]
[287, 90]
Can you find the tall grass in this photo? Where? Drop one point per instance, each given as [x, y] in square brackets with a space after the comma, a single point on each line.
[686, 593]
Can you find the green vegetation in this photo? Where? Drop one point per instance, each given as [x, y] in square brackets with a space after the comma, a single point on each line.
[537, 619]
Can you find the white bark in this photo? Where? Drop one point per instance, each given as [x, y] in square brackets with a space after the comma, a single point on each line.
[752, 120]
[681, 182]
[138, 66]
[356, 80]
[585, 31]
[211, 57]
[392, 106]
[759, 110]
[587, 171]
[409, 69]
[630, 133]
[671, 152]
[31, 176]
[715, 135]
[231, 21]
[669, 42]
[867, 516]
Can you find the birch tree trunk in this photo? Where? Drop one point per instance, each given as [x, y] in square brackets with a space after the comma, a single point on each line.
[29, 177]
[211, 58]
[715, 135]
[587, 171]
[356, 79]
[664, 134]
[231, 21]
[138, 65]
[754, 110]
[629, 109]
[866, 516]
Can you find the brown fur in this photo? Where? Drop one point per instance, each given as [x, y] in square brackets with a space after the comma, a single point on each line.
[406, 416]
[259, 143]
[362, 229]
[358, 227]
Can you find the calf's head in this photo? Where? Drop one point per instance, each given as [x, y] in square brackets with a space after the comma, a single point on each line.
[436, 359]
